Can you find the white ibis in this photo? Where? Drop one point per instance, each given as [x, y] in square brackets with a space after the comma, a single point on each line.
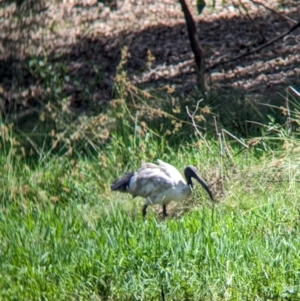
[159, 184]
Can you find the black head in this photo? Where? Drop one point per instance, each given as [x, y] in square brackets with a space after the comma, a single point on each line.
[192, 172]
[189, 173]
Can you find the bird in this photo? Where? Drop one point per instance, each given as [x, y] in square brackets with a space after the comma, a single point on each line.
[159, 184]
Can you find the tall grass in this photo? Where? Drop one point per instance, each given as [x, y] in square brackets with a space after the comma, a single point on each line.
[64, 235]
[101, 252]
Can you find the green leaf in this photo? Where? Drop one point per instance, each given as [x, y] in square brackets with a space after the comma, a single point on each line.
[200, 6]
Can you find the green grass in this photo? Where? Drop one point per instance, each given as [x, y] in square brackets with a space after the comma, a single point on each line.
[65, 236]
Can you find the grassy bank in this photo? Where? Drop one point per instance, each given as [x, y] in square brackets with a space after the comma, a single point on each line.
[65, 236]
[72, 122]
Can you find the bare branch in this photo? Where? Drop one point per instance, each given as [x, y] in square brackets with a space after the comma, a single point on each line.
[221, 61]
[288, 117]
[294, 91]
[192, 116]
[234, 137]
[227, 152]
[216, 126]
[274, 11]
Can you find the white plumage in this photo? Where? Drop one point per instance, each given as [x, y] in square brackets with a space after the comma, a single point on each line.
[159, 184]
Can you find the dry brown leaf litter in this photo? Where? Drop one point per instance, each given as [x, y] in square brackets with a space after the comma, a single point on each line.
[83, 34]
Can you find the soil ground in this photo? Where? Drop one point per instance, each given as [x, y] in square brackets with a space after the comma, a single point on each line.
[87, 36]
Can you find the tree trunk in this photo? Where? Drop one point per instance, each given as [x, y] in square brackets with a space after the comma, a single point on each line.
[196, 47]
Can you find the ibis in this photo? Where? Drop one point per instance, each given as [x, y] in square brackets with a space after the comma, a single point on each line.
[159, 184]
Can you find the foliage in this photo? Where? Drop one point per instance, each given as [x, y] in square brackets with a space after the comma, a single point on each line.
[64, 235]
[134, 114]
[200, 6]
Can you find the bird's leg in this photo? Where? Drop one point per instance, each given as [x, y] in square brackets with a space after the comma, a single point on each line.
[165, 210]
[145, 210]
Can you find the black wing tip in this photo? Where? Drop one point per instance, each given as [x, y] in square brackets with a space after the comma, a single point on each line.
[122, 183]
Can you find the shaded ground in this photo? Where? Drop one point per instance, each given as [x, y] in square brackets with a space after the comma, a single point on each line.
[86, 37]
